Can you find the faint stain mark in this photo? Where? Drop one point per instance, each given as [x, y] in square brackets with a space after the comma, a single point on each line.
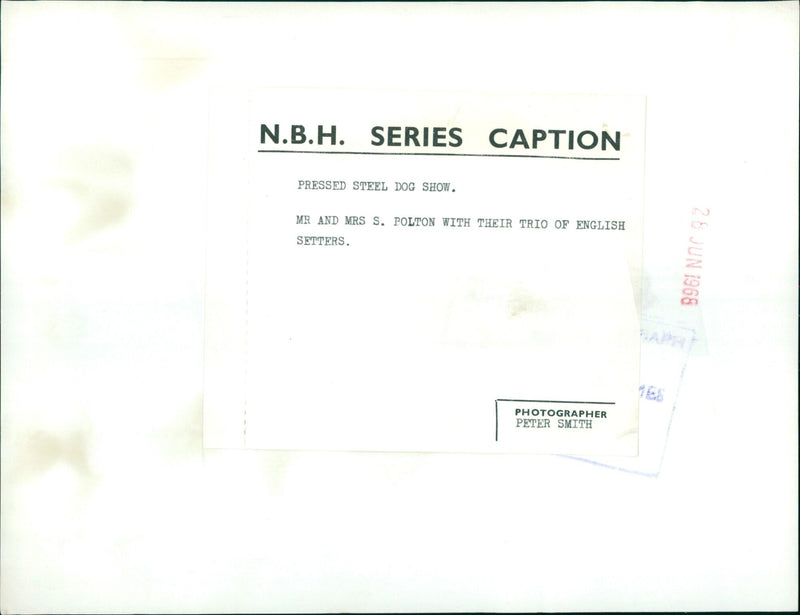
[99, 179]
[42, 451]
[276, 465]
[520, 303]
[183, 438]
[164, 73]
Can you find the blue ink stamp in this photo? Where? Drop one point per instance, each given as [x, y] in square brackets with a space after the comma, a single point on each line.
[665, 353]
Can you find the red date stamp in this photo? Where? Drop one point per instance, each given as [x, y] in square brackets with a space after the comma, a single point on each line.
[690, 289]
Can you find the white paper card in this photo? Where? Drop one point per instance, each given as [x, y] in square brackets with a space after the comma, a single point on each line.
[417, 271]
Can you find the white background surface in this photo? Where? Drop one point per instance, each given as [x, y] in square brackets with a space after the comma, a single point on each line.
[109, 502]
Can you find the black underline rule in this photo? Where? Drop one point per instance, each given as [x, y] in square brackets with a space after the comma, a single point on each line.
[301, 151]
